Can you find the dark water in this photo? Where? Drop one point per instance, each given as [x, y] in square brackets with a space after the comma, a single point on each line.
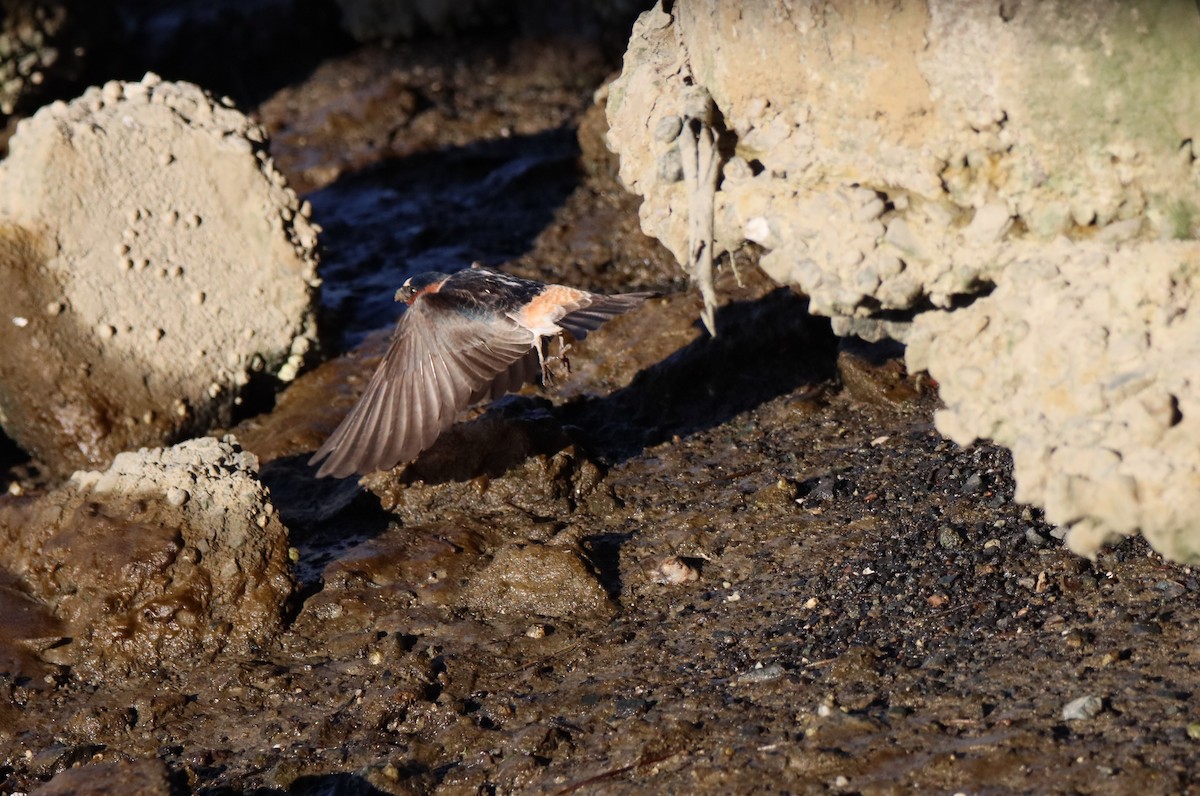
[439, 211]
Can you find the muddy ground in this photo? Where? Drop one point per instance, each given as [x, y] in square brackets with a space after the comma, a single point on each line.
[747, 564]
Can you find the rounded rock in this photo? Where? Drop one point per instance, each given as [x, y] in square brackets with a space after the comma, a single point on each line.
[111, 154]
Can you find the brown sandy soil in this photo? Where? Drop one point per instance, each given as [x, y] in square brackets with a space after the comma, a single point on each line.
[747, 564]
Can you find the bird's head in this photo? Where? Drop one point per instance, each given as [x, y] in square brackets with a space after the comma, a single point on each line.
[414, 286]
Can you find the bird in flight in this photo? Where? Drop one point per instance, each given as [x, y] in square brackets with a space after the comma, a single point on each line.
[466, 336]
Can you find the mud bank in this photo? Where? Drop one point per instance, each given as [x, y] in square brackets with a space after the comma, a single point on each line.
[742, 564]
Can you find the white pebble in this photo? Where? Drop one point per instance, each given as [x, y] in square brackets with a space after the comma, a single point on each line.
[177, 496]
[673, 571]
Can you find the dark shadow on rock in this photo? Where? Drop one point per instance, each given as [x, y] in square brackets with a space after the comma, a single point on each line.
[604, 554]
[434, 211]
[512, 430]
[324, 517]
[10, 453]
[249, 50]
[765, 349]
[302, 500]
[244, 50]
[333, 785]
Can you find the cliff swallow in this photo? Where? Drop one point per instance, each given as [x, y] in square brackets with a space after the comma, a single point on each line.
[465, 336]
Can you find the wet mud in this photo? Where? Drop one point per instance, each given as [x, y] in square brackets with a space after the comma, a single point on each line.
[742, 564]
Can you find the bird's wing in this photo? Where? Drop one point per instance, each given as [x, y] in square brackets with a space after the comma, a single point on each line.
[524, 370]
[437, 362]
[592, 310]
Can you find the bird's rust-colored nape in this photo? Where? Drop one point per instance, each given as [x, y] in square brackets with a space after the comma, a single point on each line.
[416, 286]
[481, 337]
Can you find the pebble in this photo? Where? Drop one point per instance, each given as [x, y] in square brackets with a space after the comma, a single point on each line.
[949, 538]
[1170, 589]
[761, 674]
[1085, 707]
[668, 129]
[673, 571]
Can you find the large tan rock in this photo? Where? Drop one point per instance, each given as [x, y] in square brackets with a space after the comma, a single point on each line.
[896, 161]
[894, 156]
[1085, 362]
[154, 263]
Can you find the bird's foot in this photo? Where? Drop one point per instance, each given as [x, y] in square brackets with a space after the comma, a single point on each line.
[550, 364]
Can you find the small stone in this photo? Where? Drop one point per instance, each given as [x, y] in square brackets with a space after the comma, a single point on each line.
[1193, 731]
[177, 496]
[536, 631]
[1170, 589]
[670, 166]
[1084, 707]
[736, 170]
[948, 538]
[758, 230]
[761, 674]
[1034, 538]
[673, 571]
[668, 129]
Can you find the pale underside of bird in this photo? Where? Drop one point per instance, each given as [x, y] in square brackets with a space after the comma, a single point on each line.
[465, 337]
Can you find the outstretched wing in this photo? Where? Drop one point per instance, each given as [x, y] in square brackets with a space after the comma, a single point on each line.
[438, 362]
[593, 309]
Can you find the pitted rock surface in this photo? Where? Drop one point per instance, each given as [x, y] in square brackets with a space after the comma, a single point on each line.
[156, 262]
[889, 159]
[899, 163]
[1085, 364]
[169, 558]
